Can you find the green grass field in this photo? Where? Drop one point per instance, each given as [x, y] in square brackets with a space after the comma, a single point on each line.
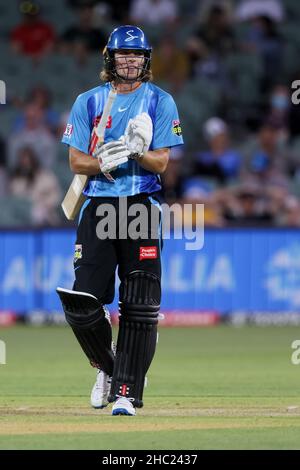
[209, 388]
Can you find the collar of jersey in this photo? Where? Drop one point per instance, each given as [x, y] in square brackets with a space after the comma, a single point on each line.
[131, 92]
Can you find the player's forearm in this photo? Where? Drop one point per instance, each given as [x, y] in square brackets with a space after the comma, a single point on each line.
[83, 164]
[155, 161]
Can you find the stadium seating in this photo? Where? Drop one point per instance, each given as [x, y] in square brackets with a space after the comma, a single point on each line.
[17, 212]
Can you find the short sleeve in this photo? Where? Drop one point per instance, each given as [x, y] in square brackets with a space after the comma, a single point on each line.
[78, 130]
[167, 128]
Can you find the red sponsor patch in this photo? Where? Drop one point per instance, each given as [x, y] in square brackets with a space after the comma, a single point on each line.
[93, 143]
[97, 120]
[94, 137]
[124, 390]
[148, 252]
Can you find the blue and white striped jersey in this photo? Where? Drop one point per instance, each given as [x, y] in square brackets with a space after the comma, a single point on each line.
[130, 178]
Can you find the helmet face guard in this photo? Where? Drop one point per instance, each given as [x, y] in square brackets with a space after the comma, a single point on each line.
[127, 39]
[123, 69]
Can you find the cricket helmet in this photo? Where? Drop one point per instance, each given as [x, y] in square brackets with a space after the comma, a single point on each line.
[127, 38]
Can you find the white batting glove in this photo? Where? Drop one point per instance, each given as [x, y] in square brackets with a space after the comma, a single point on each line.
[138, 134]
[111, 155]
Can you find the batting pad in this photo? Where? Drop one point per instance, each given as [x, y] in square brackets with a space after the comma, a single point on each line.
[86, 316]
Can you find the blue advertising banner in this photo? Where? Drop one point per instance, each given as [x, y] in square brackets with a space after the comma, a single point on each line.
[237, 269]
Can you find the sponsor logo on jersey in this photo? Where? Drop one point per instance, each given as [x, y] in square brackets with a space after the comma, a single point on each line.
[176, 127]
[148, 252]
[69, 130]
[97, 120]
[77, 253]
[94, 137]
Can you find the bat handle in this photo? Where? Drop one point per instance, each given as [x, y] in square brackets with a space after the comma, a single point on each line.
[107, 175]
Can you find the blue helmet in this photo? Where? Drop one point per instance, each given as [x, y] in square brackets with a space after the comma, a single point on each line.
[127, 38]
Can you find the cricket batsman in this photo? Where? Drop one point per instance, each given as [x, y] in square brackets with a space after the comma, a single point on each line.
[143, 125]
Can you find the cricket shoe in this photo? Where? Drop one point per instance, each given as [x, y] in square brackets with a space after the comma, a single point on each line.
[123, 406]
[101, 389]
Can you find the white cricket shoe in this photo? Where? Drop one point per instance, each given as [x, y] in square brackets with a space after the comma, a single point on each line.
[123, 406]
[101, 389]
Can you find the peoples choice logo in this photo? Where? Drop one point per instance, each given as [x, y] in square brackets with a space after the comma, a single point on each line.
[2, 92]
[148, 252]
[283, 281]
[131, 37]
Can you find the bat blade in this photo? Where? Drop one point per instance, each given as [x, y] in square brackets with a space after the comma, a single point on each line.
[74, 197]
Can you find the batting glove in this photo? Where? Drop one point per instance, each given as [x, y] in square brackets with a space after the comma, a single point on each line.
[111, 155]
[138, 135]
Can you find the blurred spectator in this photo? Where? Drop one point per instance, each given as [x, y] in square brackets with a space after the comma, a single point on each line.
[33, 36]
[35, 135]
[206, 63]
[247, 205]
[279, 107]
[269, 163]
[290, 214]
[119, 11]
[264, 39]
[103, 11]
[220, 162]
[216, 32]
[249, 9]
[3, 181]
[81, 3]
[40, 96]
[40, 186]
[197, 191]
[208, 66]
[170, 64]
[3, 175]
[172, 177]
[208, 45]
[103, 14]
[83, 32]
[2, 152]
[153, 11]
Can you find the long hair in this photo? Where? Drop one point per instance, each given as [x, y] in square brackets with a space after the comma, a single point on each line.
[108, 76]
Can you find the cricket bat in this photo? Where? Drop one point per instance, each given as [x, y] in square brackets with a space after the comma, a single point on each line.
[74, 197]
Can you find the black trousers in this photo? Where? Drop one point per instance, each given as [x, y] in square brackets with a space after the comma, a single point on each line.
[96, 260]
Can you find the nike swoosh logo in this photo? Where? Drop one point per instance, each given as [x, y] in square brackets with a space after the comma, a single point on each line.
[122, 109]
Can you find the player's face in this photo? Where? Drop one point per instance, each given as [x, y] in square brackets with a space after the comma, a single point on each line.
[129, 64]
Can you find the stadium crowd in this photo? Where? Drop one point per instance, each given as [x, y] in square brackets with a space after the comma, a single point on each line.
[229, 64]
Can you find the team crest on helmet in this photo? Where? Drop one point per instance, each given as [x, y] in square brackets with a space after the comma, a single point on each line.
[131, 37]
